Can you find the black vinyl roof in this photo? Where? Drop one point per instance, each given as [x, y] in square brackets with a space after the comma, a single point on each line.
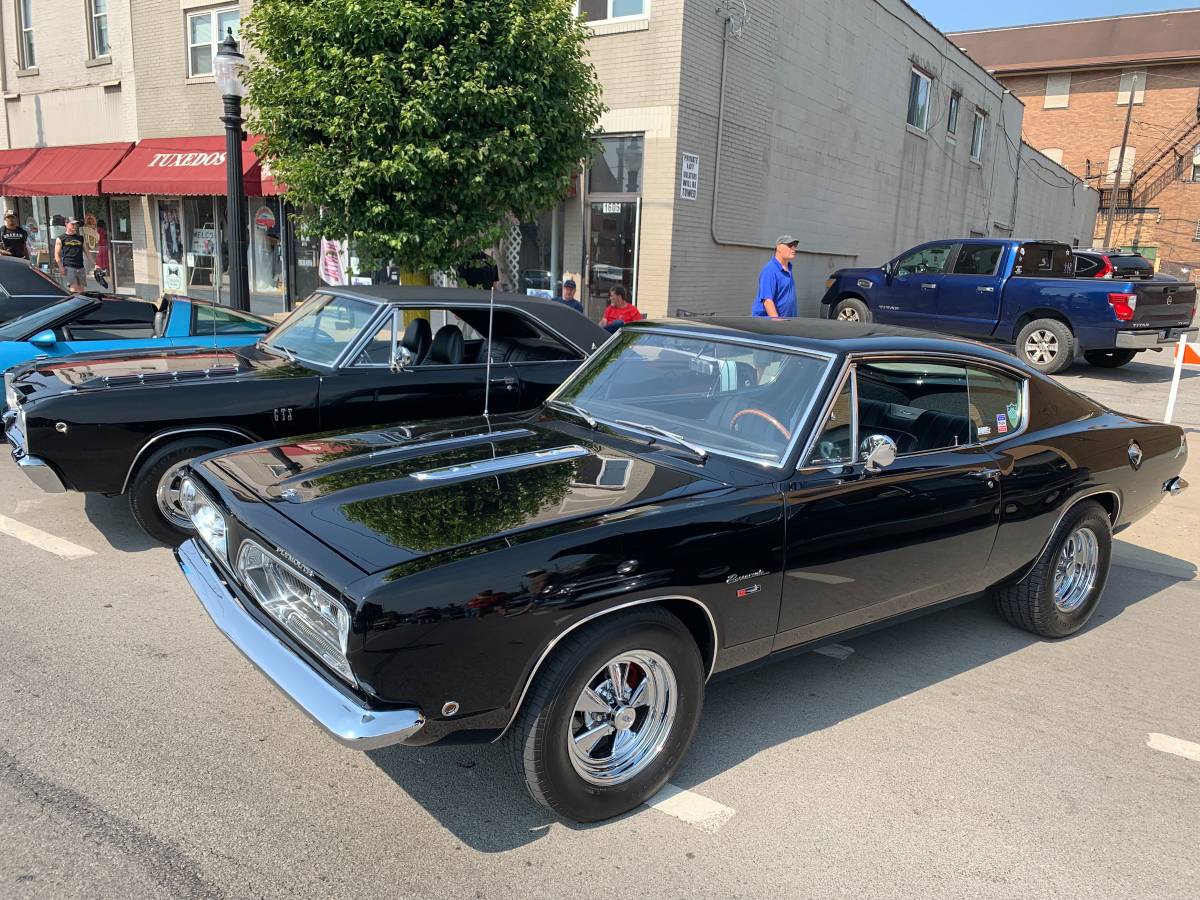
[20, 279]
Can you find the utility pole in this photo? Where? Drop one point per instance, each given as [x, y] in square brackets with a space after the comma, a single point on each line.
[1116, 188]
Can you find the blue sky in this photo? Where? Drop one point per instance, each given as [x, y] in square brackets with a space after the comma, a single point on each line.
[956, 15]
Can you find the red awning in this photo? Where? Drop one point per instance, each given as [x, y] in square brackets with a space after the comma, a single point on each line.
[11, 161]
[66, 171]
[185, 166]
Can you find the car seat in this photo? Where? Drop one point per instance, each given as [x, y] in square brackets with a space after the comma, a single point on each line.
[447, 347]
[417, 339]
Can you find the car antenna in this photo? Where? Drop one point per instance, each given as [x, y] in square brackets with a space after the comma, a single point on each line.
[487, 383]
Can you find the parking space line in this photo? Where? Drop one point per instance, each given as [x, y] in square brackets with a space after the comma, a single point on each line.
[837, 651]
[1168, 744]
[35, 537]
[692, 808]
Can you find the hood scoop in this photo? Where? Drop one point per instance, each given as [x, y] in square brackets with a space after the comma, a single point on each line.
[503, 464]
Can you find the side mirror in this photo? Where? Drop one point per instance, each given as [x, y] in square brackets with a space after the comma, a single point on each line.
[889, 271]
[879, 451]
[44, 339]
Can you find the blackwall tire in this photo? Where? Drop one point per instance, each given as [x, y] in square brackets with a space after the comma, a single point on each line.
[551, 742]
[1060, 593]
[1109, 359]
[851, 309]
[149, 491]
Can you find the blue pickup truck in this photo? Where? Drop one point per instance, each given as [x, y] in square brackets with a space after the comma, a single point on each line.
[1023, 292]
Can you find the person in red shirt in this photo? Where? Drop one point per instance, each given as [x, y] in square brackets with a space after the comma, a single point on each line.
[619, 310]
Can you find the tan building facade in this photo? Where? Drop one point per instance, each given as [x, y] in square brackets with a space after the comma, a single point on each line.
[1077, 80]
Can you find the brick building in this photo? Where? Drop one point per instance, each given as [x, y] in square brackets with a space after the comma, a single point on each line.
[1077, 80]
[854, 125]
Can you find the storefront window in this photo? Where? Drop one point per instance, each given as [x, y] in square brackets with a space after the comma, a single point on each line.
[29, 216]
[266, 248]
[170, 246]
[203, 249]
[617, 169]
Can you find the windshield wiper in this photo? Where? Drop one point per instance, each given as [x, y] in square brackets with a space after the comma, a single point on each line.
[578, 410]
[277, 348]
[670, 435]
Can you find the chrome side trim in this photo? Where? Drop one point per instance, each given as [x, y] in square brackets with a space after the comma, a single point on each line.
[712, 623]
[346, 720]
[220, 429]
[504, 463]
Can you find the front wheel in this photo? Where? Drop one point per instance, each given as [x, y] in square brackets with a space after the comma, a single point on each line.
[851, 309]
[1109, 359]
[610, 717]
[154, 493]
[1047, 344]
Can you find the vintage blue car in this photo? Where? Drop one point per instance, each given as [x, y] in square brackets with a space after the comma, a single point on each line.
[87, 323]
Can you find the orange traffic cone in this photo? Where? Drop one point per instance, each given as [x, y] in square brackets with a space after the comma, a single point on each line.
[1191, 354]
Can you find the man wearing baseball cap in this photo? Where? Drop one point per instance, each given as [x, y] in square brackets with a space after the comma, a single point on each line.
[776, 289]
[71, 255]
[567, 297]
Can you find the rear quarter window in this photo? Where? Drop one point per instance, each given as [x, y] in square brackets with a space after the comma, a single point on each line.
[1044, 261]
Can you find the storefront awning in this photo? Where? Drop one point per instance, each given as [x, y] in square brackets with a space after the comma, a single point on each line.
[185, 166]
[65, 171]
[11, 162]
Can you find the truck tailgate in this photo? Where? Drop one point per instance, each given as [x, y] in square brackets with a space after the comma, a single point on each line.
[1164, 304]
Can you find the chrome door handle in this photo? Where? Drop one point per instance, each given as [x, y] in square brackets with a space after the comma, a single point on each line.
[989, 474]
[985, 290]
[928, 286]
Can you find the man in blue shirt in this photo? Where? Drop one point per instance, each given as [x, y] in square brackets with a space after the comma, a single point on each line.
[776, 290]
[567, 298]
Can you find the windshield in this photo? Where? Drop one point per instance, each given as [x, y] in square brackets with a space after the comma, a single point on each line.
[724, 397]
[26, 326]
[322, 328]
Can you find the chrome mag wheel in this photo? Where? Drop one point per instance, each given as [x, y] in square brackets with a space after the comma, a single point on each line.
[1041, 347]
[623, 718]
[1076, 568]
[848, 315]
[167, 495]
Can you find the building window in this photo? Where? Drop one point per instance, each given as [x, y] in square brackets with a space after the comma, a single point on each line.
[1196, 163]
[603, 10]
[205, 31]
[977, 136]
[98, 27]
[952, 115]
[1054, 154]
[27, 57]
[1058, 91]
[1126, 165]
[1196, 236]
[1135, 82]
[918, 99]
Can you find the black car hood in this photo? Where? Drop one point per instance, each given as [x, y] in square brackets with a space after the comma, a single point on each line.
[104, 370]
[382, 498]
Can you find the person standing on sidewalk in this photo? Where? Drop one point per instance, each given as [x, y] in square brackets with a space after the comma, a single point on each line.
[71, 256]
[776, 288]
[567, 297]
[14, 240]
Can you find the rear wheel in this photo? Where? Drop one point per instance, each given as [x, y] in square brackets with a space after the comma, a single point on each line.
[1063, 589]
[851, 309]
[1109, 359]
[610, 716]
[154, 493]
[1047, 344]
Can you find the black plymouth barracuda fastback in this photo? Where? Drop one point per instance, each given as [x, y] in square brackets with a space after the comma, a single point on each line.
[128, 422]
[698, 496]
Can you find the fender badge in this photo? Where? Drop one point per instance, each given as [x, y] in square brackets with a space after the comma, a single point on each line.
[747, 591]
[735, 578]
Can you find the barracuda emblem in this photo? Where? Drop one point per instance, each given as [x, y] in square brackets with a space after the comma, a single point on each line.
[733, 579]
[284, 555]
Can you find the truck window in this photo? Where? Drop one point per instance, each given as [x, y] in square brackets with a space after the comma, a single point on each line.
[1037, 260]
[978, 259]
[926, 261]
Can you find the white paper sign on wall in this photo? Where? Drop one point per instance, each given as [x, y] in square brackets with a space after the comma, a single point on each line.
[689, 177]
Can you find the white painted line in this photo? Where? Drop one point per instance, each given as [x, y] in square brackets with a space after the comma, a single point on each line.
[1168, 744]
[35, 537]
[837, 651]
[695, 810]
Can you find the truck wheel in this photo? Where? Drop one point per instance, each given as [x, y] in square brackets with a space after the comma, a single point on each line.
[154, 493]
[1109, 359]
[1063, 589]
[851, 309]
[610, 716]
[1046, 344]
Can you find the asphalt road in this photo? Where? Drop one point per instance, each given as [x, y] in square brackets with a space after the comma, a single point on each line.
[952, 756]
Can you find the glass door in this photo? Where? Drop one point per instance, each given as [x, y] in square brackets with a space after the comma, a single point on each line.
[119, 255]
[613, 227]
[202, 248]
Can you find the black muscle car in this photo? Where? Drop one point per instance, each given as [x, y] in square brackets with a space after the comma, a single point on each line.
[128, 422]
[698, 496]
[24, 289]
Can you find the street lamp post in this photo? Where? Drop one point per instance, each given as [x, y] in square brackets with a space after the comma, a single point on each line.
[227, 68]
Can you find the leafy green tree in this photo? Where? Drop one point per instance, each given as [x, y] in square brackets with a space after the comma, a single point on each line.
[417, 127]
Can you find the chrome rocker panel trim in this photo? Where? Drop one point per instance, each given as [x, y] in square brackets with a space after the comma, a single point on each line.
[348, 722]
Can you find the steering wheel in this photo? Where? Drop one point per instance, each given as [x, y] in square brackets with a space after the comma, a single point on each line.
[787, 435]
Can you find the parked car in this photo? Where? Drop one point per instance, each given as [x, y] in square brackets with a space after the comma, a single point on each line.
[1022, 292]
[88, 323]
[1098, 263]
[128, 423]
[699, 496]
[24, 289]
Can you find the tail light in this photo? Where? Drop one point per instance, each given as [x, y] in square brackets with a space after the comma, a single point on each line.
[1123, 305]
[1106, 268]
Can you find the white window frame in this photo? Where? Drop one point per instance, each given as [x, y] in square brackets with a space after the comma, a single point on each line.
[1058, 91]
[93, 42]
[953, 109]
[1196, 163]
[26, 47]
[644, 14]
[213, 13]
[928, 79]
[1130, 81]
[978, 134]
[1054, 154]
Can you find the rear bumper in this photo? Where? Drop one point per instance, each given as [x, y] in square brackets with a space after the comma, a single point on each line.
[1145, 340]
[344, 718]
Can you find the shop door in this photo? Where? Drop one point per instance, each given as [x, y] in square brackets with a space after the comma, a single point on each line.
[118, 258]
[612, 257]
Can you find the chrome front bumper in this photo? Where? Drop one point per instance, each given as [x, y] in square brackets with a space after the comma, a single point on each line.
[346, 720]
[1145, 340]
[39, 471]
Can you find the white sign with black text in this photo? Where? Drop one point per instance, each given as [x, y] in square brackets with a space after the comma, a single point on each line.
[689, 177]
